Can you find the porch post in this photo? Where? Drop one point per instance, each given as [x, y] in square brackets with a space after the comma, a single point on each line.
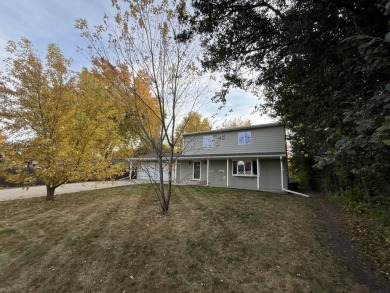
[130, 169]
[176, 171]
[281, 172]
[207, 175]
[227, 173]
[258, 173]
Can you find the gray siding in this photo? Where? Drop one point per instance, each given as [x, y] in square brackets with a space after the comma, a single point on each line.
[217, 173]
[264, 140]
[270, 175]
[242, 181]
[185, 172]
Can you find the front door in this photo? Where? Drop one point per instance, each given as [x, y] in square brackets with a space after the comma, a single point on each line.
[196, 170]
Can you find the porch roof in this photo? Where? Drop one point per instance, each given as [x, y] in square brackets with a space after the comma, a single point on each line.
[233, 155]
[180, 157]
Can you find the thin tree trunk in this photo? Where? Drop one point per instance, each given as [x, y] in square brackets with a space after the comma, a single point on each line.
[367, 191]
[162, 189]
[50, 193]
[170, 166]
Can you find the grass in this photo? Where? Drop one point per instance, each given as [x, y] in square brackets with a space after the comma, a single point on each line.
[214, 240]
[369, 226]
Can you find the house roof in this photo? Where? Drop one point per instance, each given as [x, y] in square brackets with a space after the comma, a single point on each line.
[235, 129]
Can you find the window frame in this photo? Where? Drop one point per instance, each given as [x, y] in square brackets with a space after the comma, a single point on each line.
[208, 141]
[239, 164]
[244, 137]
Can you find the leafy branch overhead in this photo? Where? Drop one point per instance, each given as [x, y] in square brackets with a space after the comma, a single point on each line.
[324, 70]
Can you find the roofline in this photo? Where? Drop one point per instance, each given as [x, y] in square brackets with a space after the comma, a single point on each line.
[233, 156]
[235, 129]
[153, 158]
[217, 156]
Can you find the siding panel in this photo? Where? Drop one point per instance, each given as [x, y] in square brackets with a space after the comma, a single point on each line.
[270, 175]
[243, 182]
[217, 173]
[264, 140]
[185, 172]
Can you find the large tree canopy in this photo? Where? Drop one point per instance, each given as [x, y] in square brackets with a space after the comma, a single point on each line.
[140, 110]
[61, 120]
[324, 68]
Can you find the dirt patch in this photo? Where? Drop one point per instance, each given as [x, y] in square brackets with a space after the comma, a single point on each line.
[351, 250]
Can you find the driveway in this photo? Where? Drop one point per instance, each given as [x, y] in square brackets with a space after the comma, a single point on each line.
[37, 191]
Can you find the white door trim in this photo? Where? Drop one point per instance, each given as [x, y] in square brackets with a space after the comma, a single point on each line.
[193, 170]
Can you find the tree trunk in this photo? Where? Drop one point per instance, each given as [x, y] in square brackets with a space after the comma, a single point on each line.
[50, 193]
[367, 191]
[163, 200]
[170, 166]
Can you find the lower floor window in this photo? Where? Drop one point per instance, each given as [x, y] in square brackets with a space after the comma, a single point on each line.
[244, 168]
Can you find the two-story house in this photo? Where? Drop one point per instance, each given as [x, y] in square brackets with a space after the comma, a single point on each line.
[252, 157]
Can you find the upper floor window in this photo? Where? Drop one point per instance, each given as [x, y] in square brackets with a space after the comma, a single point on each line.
[208, 141]
[245, 137]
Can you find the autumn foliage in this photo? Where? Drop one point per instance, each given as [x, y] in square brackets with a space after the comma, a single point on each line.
[62, 121]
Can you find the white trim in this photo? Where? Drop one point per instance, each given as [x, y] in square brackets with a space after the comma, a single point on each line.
[238, 156]
[176, 171]
[227, 173]
[245, 160]
[207, 175]
[258, 172]
[243, 136]
[297, 193]
[178, 165]
[130, 169]
[282, 179]
[193, 170]
[281, 172]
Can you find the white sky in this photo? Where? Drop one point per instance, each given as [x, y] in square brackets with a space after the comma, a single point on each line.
[53, 21]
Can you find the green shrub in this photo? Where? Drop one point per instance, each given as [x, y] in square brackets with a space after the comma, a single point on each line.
[351, 200]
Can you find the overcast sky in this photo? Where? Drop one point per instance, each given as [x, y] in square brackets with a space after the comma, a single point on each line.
[53, 21]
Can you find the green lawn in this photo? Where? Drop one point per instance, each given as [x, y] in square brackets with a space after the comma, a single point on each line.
[214, 240]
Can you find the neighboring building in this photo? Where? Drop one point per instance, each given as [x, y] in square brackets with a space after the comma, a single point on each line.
[252, 157]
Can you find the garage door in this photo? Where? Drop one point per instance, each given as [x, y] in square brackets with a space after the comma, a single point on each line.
[150, 170]
[146, 170]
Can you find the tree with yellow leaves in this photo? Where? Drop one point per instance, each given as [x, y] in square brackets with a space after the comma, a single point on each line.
[140, 110]
[236, 122]
[53, 117]
[192, 122]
